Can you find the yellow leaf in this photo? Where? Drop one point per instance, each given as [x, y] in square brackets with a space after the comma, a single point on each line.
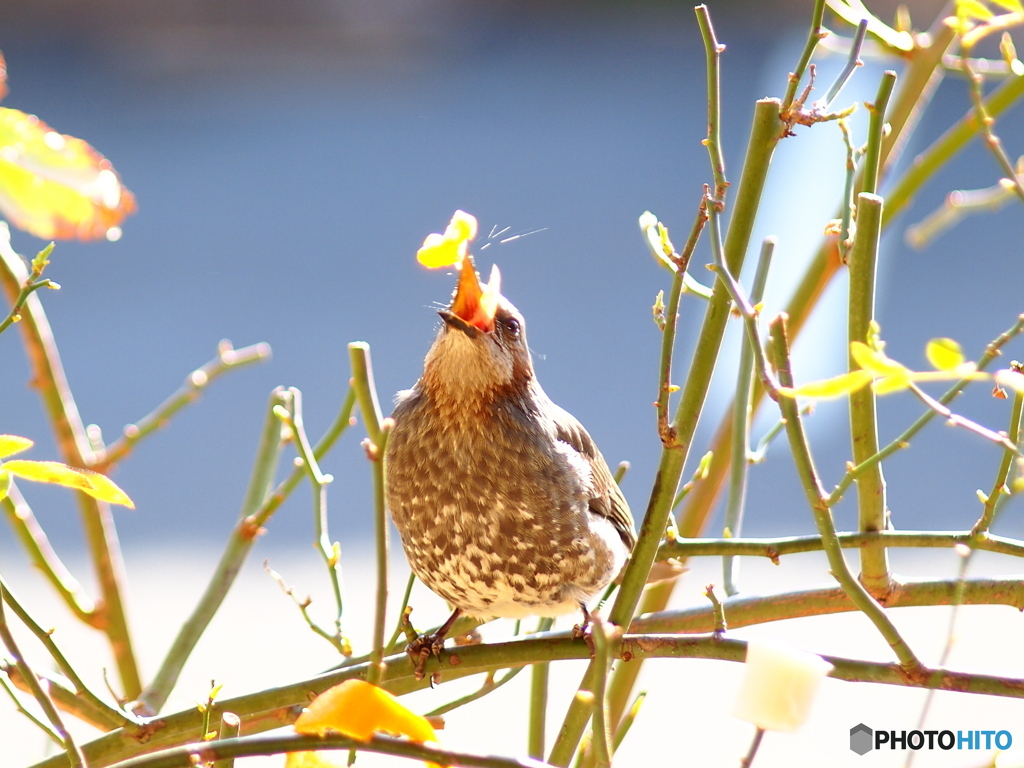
[887, 384]
[12, 444]
[450, 248]
[93, 483]
[973, 9]
[878, 363]
[359, 709]
[834, 387]
[56, 186]
[944, 354]
[1013, 6]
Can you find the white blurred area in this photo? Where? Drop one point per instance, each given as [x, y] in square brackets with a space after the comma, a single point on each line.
[259, 640]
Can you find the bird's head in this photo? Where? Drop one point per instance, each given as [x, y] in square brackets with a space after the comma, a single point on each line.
[481, 348]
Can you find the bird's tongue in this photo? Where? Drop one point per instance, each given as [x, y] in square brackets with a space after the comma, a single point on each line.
[476, 303]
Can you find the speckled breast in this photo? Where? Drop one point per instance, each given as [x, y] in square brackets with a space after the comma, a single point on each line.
[495, 528]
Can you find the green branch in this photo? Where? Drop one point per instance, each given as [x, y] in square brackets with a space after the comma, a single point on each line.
[823, 601]
[775, 548]
[228, 358]
[242, 539]
[272, 708]
[817, 499]
[75, 448]
[71, 750]
[1000, 490]
[871, 503]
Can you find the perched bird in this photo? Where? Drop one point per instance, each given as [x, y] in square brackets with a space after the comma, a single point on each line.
[505, 506]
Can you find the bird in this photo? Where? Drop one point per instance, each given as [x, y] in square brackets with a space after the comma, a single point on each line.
[503, 502]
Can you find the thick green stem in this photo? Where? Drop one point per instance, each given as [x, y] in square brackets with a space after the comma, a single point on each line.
[242, 539]
[380, 524]
[766, 130]
[876, 125]
[873, 514]
[821, 601]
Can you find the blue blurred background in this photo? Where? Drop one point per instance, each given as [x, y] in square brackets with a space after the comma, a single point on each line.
[288, 159]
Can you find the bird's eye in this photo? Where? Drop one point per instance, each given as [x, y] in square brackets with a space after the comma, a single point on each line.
[512, 326]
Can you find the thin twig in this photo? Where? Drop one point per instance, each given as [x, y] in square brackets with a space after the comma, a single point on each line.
[490, 685]
[71, 749]
[986, 121]
[852, 62]
[847, 206]
[948, 145]
[956, 420]
[713, 52]
[755, 744]
[402, 612]
[248, 746]
[329, 551]
[34, 541]
[1000, 490]
[101, 711]
[817, 32]
[829, 600]
[742, 416]
[668, 334]
[627, 721]
[378, 429]
[817, 499]
[32, 284]
[227, 359]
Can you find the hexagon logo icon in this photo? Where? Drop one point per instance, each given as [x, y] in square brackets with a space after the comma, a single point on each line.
[861, 738]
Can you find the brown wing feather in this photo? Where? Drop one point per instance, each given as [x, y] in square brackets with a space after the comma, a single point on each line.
[609, 501]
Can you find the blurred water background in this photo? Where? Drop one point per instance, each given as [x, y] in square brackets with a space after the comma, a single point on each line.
[288, 159]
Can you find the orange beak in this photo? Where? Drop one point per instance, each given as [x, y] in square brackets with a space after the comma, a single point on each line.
[475, 303]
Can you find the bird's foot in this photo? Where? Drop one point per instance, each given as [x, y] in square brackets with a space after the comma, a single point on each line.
[425, 646]
[584, 631]
[421, 649]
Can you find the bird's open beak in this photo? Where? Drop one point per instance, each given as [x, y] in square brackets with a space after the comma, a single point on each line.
[474, 305]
